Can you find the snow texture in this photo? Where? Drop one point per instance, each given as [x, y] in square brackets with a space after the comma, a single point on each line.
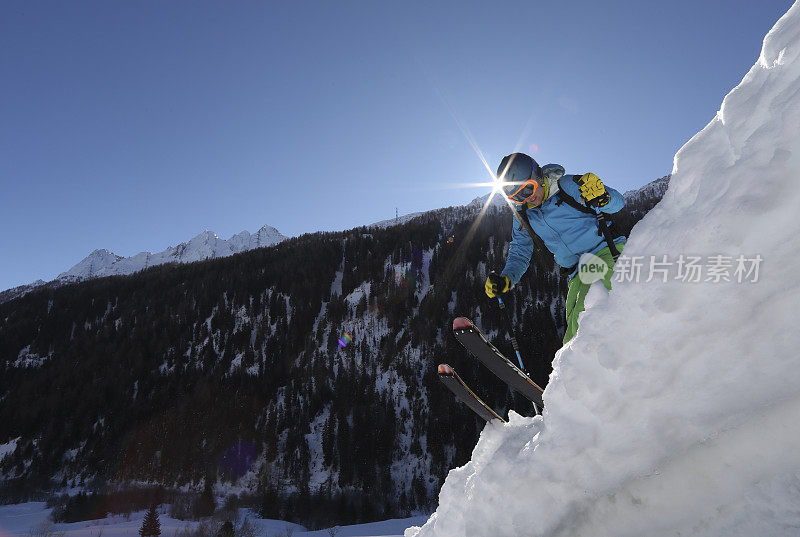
[674, 410]
[8, 447]
[204, 246]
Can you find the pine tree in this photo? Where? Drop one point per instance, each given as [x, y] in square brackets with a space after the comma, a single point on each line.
[151, 527]
[205, 504]
[226, 530]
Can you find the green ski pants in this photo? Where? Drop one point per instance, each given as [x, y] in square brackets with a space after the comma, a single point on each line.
[577, 290]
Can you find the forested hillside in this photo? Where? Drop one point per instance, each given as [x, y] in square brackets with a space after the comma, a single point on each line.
[303, 372]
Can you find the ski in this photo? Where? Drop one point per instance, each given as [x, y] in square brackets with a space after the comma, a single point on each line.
[476, 343]
[450, 378]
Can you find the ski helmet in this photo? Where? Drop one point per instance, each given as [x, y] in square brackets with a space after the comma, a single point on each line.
[521, 176]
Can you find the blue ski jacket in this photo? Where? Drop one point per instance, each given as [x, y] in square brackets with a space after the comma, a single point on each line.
[567, 232]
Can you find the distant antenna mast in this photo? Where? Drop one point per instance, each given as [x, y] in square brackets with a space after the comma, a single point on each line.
[396, 217]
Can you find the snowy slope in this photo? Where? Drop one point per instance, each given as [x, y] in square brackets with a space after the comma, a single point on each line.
[397, 221]
[653, 189]
[475, 205]
[204, 246]
[674, 410]
[95, 263]
[17, 521]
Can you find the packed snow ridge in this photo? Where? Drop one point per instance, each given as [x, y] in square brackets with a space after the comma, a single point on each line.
[204, 246]
[674, 410]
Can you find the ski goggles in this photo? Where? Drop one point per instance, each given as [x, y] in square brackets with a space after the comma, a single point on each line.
[521, 193]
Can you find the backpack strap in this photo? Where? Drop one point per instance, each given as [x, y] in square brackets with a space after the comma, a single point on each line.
[605, 226]
[539, 247]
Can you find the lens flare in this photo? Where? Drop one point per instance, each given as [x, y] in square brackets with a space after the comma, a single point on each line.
[238, 459]
[345, 339]
[496, 183]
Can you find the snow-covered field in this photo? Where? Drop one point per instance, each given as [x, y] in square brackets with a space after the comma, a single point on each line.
[674, 411]
[17, 520]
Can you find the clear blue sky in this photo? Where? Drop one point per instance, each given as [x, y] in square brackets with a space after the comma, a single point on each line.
[135, 125]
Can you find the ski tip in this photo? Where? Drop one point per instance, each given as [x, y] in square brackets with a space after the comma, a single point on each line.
[445, 369]
[461, 322]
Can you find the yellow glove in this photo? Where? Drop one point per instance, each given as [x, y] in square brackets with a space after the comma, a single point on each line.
[497, 284]
[593, 190]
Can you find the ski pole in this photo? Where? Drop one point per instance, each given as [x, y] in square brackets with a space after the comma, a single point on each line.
[515, 344]
[511, 332]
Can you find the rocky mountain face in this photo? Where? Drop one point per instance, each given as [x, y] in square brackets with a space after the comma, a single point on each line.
[303, 373]
[643, 199]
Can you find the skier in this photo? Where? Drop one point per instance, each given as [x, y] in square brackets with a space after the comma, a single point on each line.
[567, 213]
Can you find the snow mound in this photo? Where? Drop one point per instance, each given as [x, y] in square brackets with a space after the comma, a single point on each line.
[674, 410]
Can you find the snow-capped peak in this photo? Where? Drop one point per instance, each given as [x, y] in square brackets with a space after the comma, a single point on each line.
[95, 262]
[206, 245]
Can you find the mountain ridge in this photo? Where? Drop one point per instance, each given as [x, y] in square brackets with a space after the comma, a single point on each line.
[102, 262]
[206, 245]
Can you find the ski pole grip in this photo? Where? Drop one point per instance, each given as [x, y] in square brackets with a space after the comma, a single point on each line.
[499, 282]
